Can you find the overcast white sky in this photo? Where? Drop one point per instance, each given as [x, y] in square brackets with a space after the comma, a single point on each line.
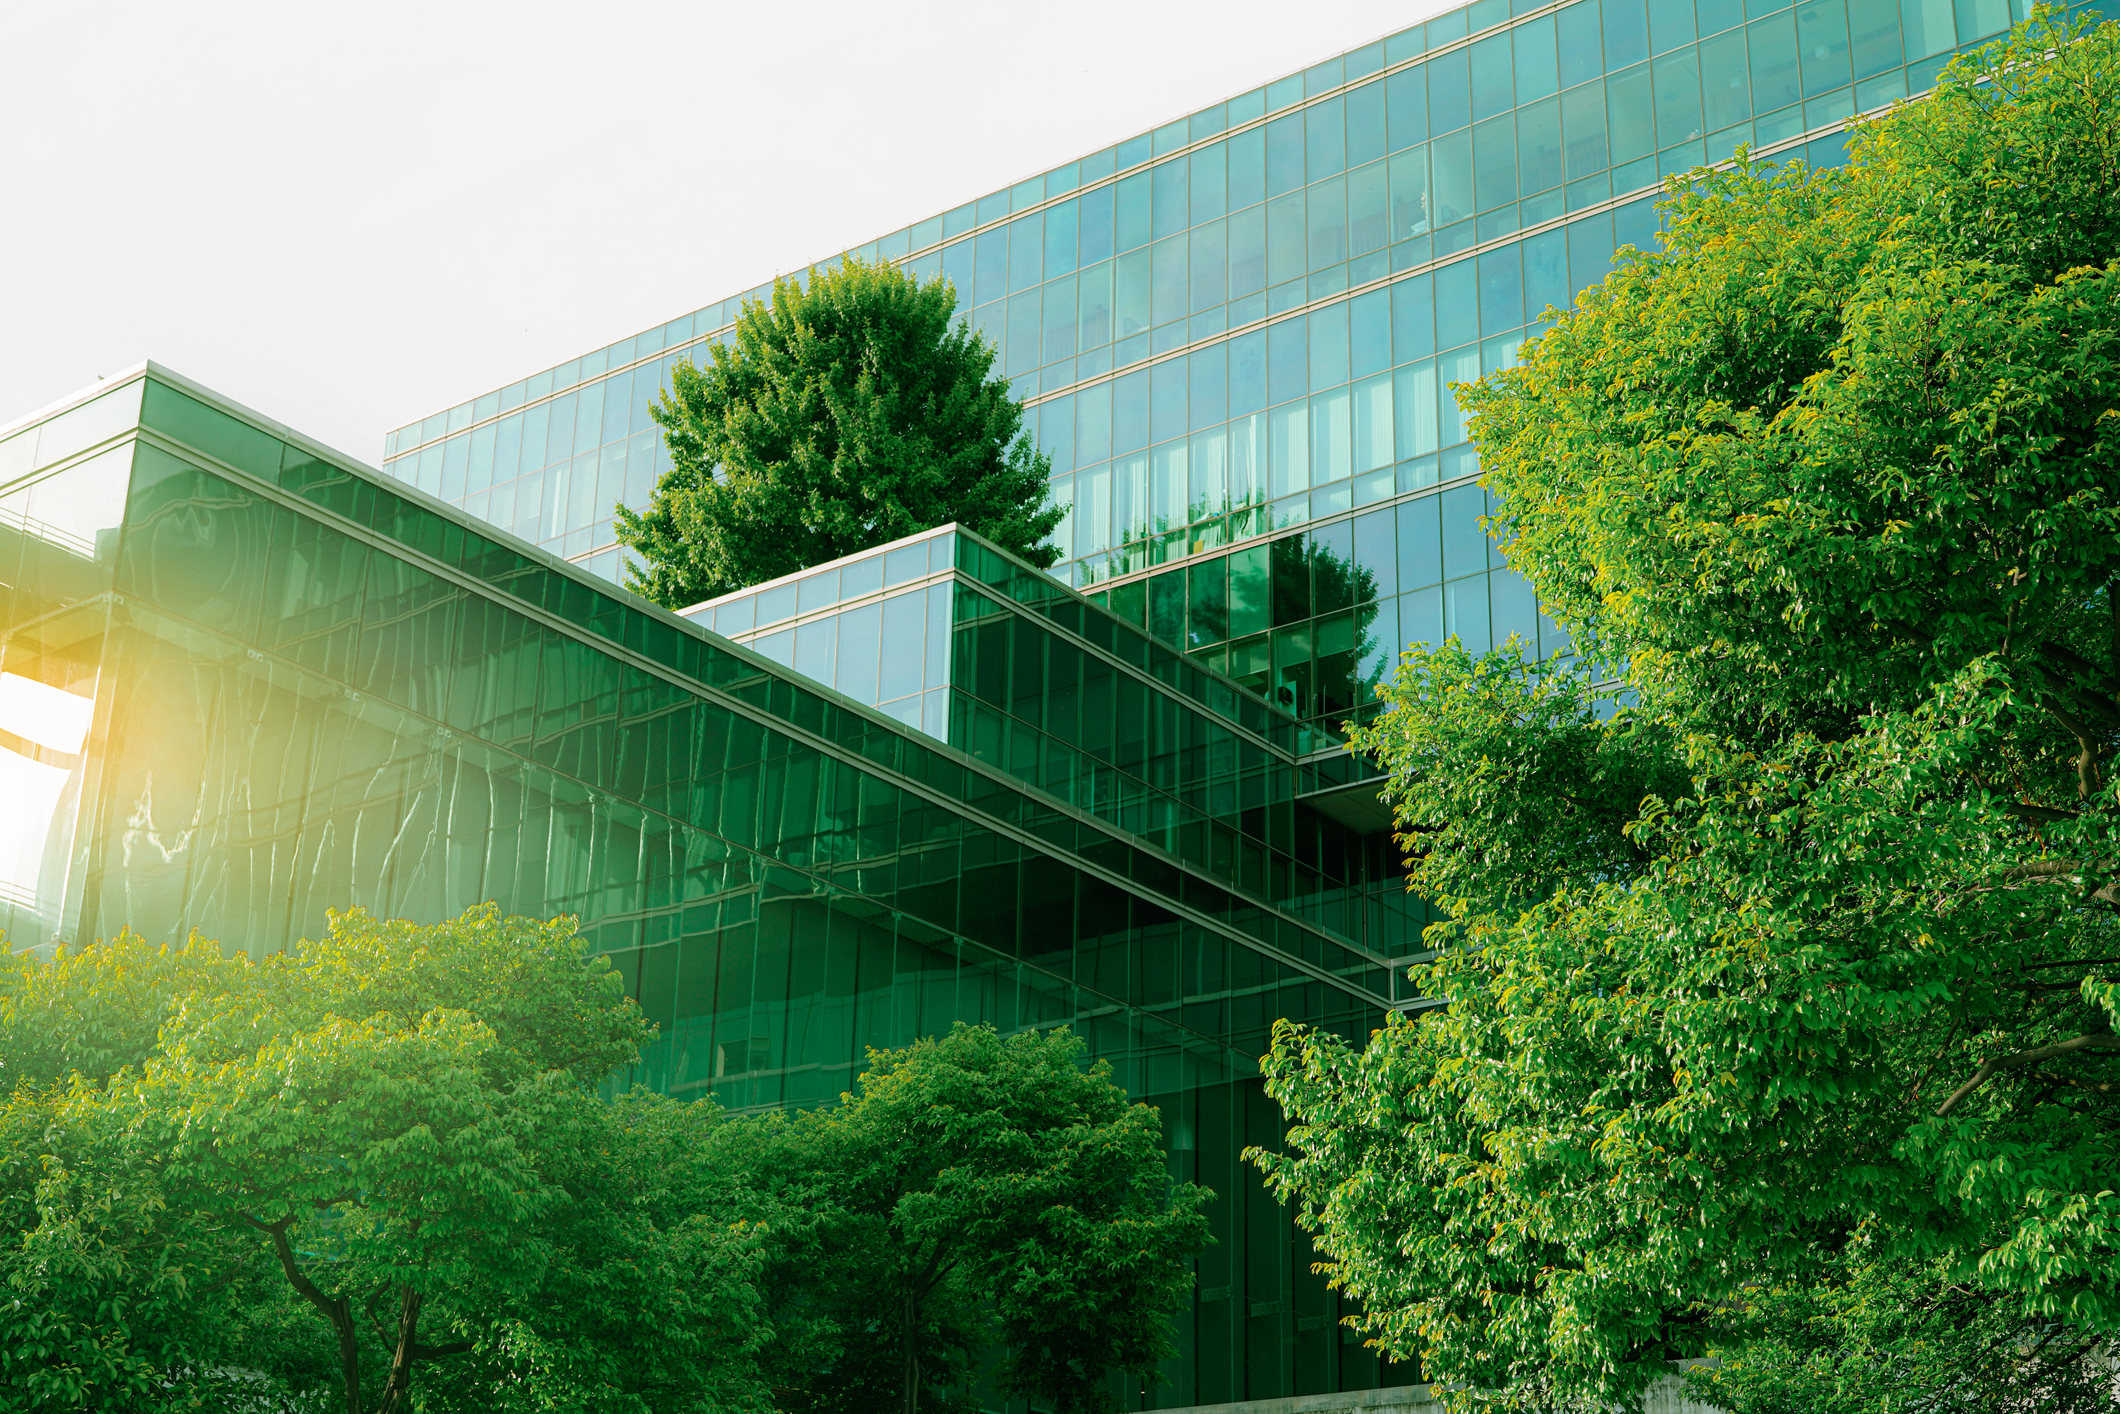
[349, 217]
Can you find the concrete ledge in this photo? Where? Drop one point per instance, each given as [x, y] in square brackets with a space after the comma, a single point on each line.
[1667, 1396]
[1400, 1399]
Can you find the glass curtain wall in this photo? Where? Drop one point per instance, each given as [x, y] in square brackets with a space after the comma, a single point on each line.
[248, 682]
[1244, 326]
[1362, 173]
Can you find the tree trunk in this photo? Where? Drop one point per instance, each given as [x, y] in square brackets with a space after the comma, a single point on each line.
[349, 1352]
[397, 1390]
[338, 1311]
[909, 1329]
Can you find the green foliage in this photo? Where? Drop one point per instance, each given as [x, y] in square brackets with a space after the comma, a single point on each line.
[848, 413]
[1901, 1337]
[1797, 975]
[370, 1165]
[981, 1189]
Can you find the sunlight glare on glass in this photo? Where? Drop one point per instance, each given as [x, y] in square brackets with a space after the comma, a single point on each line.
[43, 714]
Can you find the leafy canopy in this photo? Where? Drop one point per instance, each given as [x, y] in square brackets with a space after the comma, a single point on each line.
[371, 1166]
[1804, 964]
[848, 413]
[980, 1190]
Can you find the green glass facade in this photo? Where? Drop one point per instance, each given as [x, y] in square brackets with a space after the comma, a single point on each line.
[243, 681]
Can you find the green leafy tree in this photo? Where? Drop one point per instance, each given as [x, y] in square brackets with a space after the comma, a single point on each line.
[1900, 1336]
[848, 413]
[1802, 964]
[980, 1188]
[373, 1166]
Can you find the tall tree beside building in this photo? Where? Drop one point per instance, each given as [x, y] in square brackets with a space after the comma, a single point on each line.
[1800, 975]
[850, 411]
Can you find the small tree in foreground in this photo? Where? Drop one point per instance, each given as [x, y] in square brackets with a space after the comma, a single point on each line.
[1783, 1000]
[849, 412]
[369, 1170]
[980, 1190]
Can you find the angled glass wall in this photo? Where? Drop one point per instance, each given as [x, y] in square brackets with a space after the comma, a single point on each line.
[243, 681]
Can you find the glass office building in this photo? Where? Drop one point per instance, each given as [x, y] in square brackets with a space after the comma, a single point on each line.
[1239, 328]
[243, 679]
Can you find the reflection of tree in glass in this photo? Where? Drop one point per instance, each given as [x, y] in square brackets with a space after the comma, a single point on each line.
[1129, 553]
[1318, 677]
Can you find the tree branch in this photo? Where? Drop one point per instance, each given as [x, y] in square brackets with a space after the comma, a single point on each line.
[338, 1311]
[2038, 814]
[2086, 754]
[2103, 1041]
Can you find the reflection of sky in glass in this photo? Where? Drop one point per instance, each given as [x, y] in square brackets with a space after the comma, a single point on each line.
[57, 721]
[87, 500]
[45, 715]
[32, 791]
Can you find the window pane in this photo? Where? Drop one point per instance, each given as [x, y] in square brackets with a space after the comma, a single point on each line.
[1501, 290]
[1060, 240]
[1210, 198]
[1325, 139]
[1677, 98]
[1450, 176]
[1209, 263]
[990, 274]
[1457, 316]
[1288, 443]
[1059, 320]
[1167, 199]
[1413, 317]
[1367, 228]
[1026, 258]
[1173, 289]
[1131, 221]
[1670, 24]
[1209, 395]
[1287, 363]
[1328, 346]
[1449, 93]
[1581, 55]
[1365, 124]
[1409, 194]
[1284, 154]
[1583, 130]
[1538, 146]
[1773, 45]
[1406, 108]
[1247, 373]
[1328, 223]
[1130, 294]
[1375, 444]
[1626, 35]
[1535, 66]
[1493, 88]
[1420, 543]
[1096, 222]
[1629, 109]
[1724, 90]
[1095, 303]
[1247, 169]
[1247, 252]
[1929, 27]
[1026, 331]
[1822, 39]
[1286, 240]
[1494, 162]
[1414, 409]
[1167, 388]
